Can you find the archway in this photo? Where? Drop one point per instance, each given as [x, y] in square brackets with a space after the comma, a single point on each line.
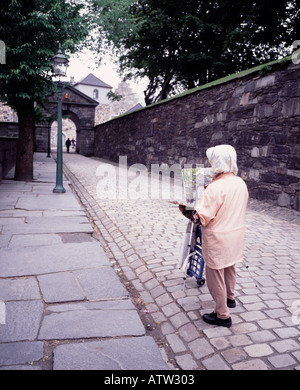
[77, 107]
[70, 124]
[68, 132]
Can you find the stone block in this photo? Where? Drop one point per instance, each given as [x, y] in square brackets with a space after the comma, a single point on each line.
[135, 353]
[22, 320]
[75, 321]
[200, 348]
[263, 110]
[296, 204]
[60, 287]
[215, 363]
[284, 200]
[282, 361]
[255, 152]
[258, 350]
[25, 240]
[21, 353]
[253, 364]
[19, 289]
[266, 81]
[101, 283]
[245, 99]
[286, 345]
[175, 343]
[57, 258]
[291, 108]
[49, 202]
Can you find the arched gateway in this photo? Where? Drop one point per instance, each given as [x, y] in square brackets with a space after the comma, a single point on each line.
[80, 108]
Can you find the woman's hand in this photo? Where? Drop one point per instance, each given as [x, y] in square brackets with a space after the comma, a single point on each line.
[181, 207]
[190, 214]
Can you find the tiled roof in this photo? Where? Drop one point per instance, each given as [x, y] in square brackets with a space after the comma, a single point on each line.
[94, 81]
[136, 107]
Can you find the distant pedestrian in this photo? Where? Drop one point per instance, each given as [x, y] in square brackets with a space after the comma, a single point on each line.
[73, 143]
[221, 211]
[68, 144]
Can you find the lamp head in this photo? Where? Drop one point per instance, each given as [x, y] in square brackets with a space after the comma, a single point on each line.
[59, 63]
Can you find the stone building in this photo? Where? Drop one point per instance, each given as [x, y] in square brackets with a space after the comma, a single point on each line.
[7, 114]
[129, 101]
[95, 88]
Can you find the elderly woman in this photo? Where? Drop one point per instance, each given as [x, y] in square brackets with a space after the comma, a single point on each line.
[221, 211]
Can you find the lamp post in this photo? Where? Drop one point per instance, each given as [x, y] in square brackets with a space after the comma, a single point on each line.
[60, 64]
[49, 130]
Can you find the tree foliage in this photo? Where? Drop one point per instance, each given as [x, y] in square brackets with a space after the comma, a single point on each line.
[183, 44]
[31, 30]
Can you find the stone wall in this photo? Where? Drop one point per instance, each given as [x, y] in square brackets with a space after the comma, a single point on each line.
[257, 111]
[7, 114]
[8, 150]
[9, 129]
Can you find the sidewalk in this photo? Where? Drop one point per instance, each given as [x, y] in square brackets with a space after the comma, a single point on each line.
[143, 238]
[62, 305]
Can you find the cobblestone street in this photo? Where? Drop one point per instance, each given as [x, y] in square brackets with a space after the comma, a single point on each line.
[142, 239]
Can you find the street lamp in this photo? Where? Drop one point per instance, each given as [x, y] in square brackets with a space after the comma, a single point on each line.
[59, 64]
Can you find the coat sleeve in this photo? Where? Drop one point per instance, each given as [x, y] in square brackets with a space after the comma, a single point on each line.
[210, 203]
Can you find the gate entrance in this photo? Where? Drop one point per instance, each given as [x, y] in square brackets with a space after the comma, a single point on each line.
[80, 109]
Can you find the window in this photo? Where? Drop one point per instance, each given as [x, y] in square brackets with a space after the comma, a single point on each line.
[96, 94]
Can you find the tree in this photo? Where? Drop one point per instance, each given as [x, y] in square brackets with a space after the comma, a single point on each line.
[31, 30]
[183, 44]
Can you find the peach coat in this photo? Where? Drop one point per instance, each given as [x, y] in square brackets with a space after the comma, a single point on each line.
[222, 210]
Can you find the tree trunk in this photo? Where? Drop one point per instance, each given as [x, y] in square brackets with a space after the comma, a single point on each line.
[25, 145]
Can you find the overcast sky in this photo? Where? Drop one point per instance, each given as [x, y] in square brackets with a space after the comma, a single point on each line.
[82, 64]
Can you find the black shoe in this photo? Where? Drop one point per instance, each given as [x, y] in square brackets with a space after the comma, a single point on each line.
[231, 303]
[212, 319]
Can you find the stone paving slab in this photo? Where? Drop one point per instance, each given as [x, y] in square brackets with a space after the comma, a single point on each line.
[20, 353]
[57, 284]
[23, 320]
[49, 259]
[57, 220]
[43, 228]
[110, 355]
[101, 283]
[49, 202]
[19, 289]
[25, 240]
[60, 287]
[76, 323]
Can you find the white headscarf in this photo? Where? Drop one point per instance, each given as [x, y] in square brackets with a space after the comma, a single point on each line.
[222, 159]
